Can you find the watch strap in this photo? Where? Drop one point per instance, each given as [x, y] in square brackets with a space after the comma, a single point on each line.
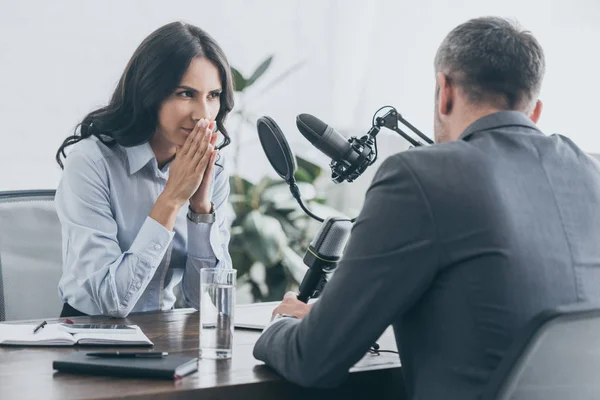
[198, 218]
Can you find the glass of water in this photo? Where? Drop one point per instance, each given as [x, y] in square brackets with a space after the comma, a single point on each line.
[217, 305]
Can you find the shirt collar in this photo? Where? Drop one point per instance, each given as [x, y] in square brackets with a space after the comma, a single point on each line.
[138, 156]
[499, 119]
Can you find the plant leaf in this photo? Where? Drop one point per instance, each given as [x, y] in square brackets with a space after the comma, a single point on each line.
[294, 264]
[262, 68]
[308, 171]
[277, 194]
[239, 196]
[239, 185]
[239, 82]
[241, 260]
[280, 78]
[303, 175]
[255, 193]
[264, 237]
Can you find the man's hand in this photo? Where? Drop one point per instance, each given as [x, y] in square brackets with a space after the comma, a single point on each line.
[292, 306]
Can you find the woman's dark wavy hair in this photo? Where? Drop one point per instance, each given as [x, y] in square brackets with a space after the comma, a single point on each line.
[152, 74]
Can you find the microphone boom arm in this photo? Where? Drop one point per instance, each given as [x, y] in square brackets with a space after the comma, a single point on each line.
[390, 120]
[366, 147]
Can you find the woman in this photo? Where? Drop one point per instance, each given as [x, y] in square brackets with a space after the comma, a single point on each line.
[143, 193]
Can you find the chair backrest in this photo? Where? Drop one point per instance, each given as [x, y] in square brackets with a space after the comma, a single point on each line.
[30, 255]
[556, 357]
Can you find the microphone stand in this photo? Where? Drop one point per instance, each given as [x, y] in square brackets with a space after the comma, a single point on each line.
[390, 120]
[316, 276]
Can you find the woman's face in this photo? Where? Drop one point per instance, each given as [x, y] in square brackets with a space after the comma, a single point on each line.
[197, 96]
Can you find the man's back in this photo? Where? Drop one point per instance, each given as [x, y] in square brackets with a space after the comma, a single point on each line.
[458, 245]
[516, 216]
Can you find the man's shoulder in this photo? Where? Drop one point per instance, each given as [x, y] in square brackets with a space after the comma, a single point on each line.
[444, 174]
[436, 160]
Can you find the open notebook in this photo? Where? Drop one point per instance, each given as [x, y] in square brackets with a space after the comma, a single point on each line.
[256, 316]
[52, 335]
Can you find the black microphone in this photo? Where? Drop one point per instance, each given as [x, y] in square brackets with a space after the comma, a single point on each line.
[349, 157]
[332, 143]
[323, 255]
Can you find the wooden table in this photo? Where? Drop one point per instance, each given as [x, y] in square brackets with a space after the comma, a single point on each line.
[27, 373]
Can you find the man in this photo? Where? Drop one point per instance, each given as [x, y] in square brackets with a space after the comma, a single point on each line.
[461, 243]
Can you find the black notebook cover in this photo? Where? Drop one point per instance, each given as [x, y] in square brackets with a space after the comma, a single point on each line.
[168, 367]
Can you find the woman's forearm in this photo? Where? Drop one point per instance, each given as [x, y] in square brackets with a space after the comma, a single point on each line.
[165, 211]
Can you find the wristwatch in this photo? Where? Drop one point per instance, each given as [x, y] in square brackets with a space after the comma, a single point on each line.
[202, 218]
[278, 316]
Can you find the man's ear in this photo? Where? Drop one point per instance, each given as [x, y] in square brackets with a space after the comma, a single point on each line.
[537, 111]
[445, 94]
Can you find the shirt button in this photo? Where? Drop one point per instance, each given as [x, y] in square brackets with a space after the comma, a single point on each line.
[138, 285]
[157, 246]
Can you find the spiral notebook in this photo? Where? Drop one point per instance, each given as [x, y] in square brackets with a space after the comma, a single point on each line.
[52, 335]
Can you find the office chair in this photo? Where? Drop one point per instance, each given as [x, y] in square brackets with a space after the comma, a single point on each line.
[30, 255]
[557, 357]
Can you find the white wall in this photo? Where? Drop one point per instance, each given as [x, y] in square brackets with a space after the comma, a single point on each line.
[61, 59]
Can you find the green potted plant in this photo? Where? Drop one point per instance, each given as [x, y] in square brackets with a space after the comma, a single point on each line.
[270, 233]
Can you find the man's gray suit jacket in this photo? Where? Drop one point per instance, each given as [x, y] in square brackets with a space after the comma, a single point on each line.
[458, 246]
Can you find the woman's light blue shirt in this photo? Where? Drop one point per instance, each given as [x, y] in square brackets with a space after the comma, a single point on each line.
[116, 259]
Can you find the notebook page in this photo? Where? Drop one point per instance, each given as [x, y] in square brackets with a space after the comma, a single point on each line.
[112, 339]
[22, 334]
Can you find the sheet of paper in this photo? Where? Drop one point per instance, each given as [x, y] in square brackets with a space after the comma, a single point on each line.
[22, 334]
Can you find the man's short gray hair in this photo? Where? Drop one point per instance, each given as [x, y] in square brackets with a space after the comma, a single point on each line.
[495, 62]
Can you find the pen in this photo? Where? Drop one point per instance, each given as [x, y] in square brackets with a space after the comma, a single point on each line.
[40, 326]
[119, 354]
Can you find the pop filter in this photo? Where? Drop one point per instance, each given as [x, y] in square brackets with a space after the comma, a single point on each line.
[276, 148]
[281, 157]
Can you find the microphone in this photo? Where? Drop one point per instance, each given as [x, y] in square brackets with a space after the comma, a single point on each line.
[325, 138]
[350, 157]
[323, 255]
